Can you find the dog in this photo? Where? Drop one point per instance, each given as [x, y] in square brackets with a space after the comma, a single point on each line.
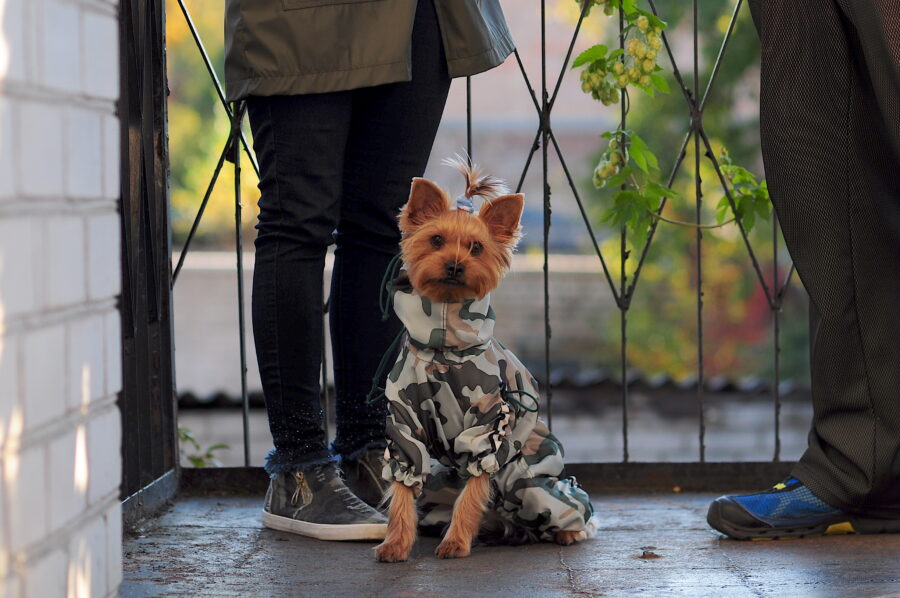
[458, 397]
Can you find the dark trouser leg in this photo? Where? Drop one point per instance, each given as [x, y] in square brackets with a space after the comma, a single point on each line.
[831, 146]
[391, 135]
[300, 143]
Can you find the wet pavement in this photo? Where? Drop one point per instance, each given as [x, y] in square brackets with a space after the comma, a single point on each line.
[653, 545]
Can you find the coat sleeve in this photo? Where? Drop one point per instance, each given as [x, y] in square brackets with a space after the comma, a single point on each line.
[406, 456]
[484, 440]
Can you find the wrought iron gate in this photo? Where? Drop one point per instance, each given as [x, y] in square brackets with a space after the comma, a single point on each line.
[622, 288]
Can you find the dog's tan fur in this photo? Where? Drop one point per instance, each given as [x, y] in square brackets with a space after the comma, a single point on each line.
[403, 522]
[495, 229]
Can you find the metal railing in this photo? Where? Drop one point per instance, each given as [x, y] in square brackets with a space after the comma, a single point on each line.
[623, 290]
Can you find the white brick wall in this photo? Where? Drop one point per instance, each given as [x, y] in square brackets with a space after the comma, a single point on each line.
[60, 351]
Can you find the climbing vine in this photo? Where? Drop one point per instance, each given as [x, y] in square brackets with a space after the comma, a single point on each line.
[627, 164]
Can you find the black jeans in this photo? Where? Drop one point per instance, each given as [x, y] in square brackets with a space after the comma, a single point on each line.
[335, 167]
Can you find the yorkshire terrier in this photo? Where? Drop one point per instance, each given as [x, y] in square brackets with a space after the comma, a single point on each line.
[464, 438]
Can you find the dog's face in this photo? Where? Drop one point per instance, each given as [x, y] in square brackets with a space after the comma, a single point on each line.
[452, 254]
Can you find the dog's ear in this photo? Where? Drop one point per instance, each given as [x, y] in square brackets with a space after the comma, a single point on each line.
[426, 201]
[501, 215]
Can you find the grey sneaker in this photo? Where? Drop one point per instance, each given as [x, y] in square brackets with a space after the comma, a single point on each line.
[363, 476]
[316, 503]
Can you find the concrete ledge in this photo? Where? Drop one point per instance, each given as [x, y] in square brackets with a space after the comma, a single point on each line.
[597, 478]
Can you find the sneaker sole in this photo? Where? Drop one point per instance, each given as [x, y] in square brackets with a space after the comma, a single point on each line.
[325, 531]
[828, 527]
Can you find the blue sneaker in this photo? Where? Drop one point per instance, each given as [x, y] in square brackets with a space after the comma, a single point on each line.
[788, 510]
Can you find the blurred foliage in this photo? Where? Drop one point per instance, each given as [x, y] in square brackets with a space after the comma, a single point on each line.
[193, 455]
[198, 128]
[662, 319]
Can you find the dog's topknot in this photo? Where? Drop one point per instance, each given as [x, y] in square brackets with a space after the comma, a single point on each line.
[485, 186]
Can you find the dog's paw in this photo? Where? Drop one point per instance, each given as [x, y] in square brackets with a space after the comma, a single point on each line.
[566, 537]
[453, 549]
[391, 553]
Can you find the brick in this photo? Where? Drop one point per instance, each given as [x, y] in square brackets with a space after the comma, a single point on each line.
[41, 158]
[100, 66]
[26, 494]
[16, 34]
[47, 577]
[17, 267]
[112, 329]
[9, 383]
[87, 562]
[44, 388]
[64, 246]
[83, 154]
[112, 134]
[8, 155]
[86, 364]
[114, 546]
[104, 256]
[61, 43]
[104, 440]
[68, 479]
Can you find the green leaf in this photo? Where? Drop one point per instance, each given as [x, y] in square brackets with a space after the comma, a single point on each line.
[619, 179]
[629, 6]
[592, 54]
[659, 82]
[615, 54]
[642, 155]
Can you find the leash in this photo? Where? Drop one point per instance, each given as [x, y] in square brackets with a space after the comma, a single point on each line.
[386, 303]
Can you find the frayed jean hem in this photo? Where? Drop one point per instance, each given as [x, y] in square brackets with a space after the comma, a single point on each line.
[277, 462]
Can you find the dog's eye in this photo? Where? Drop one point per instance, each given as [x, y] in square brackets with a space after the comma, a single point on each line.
[437, 241]
[477, 248]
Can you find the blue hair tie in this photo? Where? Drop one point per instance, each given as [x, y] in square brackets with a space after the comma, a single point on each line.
[465, 204]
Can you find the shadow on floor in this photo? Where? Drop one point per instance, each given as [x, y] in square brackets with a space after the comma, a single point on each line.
[216, 546]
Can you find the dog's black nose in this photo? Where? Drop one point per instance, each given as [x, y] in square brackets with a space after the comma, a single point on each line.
[454, 269]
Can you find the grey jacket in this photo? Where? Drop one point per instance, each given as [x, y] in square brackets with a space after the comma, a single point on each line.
[293, 47]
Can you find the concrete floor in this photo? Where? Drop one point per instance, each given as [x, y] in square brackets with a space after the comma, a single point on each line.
[648, 545]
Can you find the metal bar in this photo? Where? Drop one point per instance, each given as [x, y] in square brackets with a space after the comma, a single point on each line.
[786, 283]
[623, 256]
[545, 133]
[206, 196]
[238, 116]
[737, 218]
[698, 191]
[525, 78]
[584, 216]
[534, 148]
[562, 73]
[215, 79]
[469, 119]
[718, 63]
[776, 311]
[675, 71]
[682, 153]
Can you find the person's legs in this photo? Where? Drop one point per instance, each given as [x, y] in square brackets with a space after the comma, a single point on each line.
[853, 460]
[831, 166]
[391, 135]
[299, 141]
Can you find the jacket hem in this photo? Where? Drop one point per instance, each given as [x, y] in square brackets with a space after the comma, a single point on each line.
[325, 82]
[472, 65]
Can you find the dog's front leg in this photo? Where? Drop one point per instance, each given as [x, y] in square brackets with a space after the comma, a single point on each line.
[467, 513]
[402, 525]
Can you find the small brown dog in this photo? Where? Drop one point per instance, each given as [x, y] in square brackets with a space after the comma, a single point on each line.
[456, 395]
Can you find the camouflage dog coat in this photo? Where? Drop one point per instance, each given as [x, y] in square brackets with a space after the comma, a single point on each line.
[457, 396]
